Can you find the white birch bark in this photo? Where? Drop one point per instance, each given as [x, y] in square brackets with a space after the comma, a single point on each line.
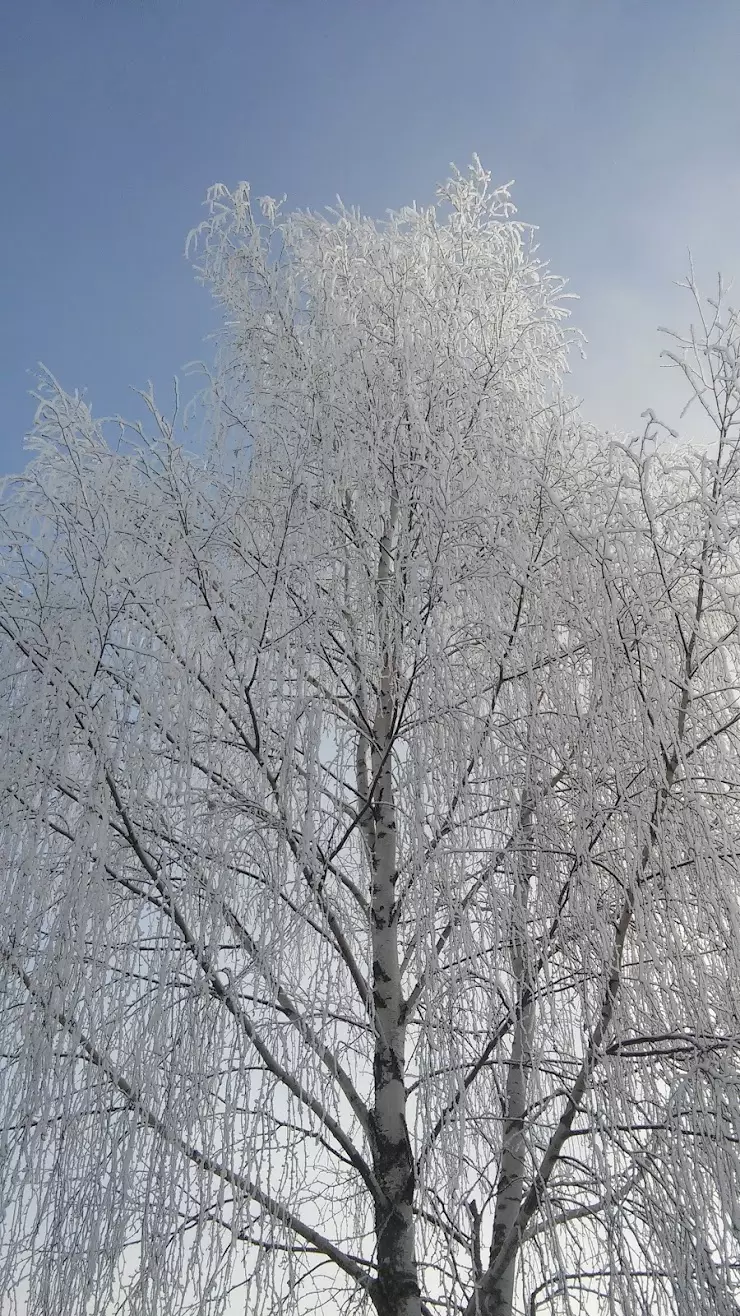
[396, 1288]
[511, 1182]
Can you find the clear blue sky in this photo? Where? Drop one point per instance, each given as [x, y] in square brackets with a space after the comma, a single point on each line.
[619, 119]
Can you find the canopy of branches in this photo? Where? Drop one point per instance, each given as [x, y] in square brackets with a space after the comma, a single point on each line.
[370, 816]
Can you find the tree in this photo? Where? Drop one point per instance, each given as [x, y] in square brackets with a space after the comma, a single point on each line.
[370, 808]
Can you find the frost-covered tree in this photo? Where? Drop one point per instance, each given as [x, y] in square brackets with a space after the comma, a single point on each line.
[371, 809]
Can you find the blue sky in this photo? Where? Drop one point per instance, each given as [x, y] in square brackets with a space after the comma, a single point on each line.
[619, 120]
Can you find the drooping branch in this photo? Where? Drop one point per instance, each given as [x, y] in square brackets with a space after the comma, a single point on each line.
[96, 1057]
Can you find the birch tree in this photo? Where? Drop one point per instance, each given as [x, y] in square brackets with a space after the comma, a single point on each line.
[370, 808]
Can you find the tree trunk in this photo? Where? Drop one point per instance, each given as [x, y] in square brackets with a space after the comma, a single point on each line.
[396, 1290]
[499, 1297]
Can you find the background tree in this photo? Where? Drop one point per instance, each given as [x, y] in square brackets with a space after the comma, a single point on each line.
[370, 809]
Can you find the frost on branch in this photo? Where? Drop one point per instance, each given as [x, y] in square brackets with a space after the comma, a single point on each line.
[370, 809]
